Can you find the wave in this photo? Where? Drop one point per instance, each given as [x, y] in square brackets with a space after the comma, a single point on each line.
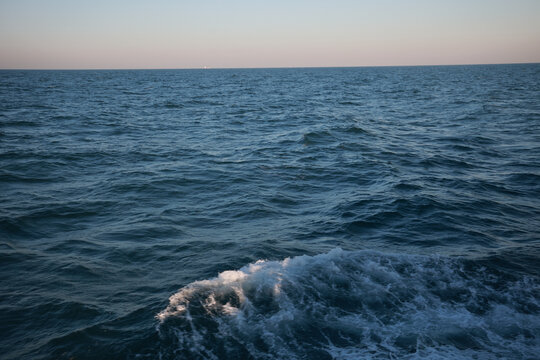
[317, 137]
[355, 304]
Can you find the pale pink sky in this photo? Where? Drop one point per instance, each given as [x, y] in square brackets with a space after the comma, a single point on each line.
[191, 34]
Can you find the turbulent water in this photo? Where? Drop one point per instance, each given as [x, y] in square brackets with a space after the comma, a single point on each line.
[347, 213]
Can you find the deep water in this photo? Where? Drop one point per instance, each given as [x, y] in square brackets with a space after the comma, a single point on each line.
[336, 213]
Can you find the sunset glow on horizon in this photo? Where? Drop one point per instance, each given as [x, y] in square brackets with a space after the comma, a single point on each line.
[63, 34]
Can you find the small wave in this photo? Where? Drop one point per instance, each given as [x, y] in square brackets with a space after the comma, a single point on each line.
[21, 123]
[128, 92]
[350, 305]
[42, 106]
[63, 117]
[204, 102]
[353, 103]
[317, 137]
[356, 130]
[444, 161]
[172, 105]
[528, 179]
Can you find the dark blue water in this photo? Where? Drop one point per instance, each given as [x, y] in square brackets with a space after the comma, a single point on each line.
[351, 213]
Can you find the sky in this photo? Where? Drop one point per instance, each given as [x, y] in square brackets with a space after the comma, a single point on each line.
[135, 34]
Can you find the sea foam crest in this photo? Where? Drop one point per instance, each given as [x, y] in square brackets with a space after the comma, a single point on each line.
[351, 305]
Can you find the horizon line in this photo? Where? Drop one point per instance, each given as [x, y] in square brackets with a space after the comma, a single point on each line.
[264, 67]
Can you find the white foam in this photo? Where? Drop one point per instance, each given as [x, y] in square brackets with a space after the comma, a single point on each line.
[351, 305]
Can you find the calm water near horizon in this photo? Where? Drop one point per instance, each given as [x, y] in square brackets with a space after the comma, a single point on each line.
[317, 213]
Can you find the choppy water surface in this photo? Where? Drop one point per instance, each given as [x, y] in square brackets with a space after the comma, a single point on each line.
[351, 213]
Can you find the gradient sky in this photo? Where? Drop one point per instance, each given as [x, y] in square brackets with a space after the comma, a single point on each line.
[70, 34]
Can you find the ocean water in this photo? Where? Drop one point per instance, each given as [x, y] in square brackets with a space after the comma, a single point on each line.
[336, 213]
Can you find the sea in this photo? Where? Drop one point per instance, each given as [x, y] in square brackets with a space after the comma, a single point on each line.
[293, 213]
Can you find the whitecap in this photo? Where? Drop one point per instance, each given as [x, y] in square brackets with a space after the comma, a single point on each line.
[350, 305]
